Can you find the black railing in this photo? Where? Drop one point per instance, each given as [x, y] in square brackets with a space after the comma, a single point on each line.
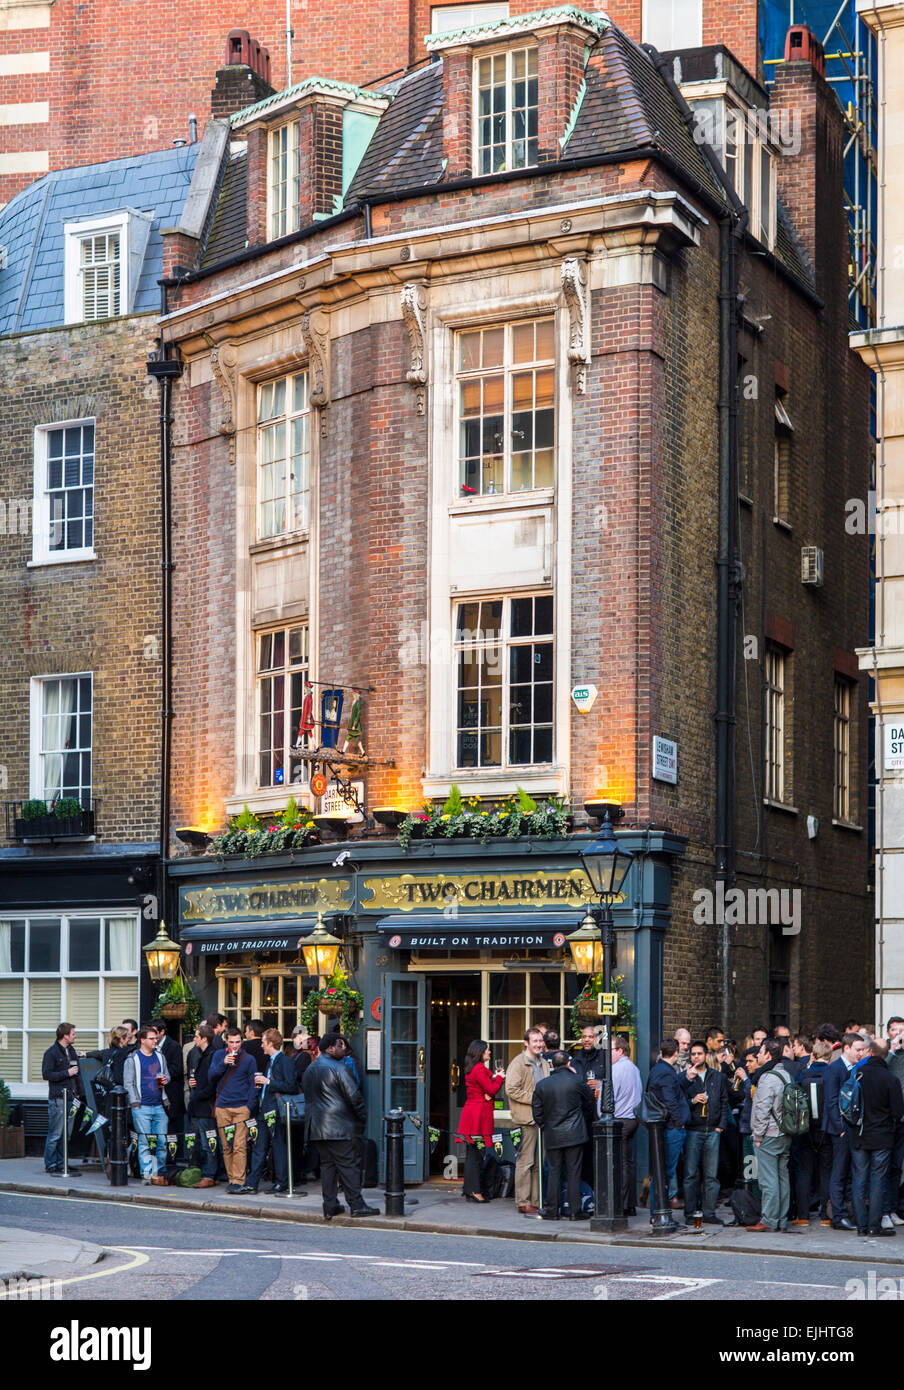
[49, 825]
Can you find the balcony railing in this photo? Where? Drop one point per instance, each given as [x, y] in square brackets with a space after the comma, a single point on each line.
[47, 826]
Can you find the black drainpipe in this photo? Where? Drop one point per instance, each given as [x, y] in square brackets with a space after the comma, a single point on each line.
[732, 230]
[165, 369]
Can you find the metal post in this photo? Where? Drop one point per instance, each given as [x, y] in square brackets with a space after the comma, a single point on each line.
[395, 1163]
[288, 1148]
[607, 1130]
[660, 1211]
[117, 1113]
[66, 1105]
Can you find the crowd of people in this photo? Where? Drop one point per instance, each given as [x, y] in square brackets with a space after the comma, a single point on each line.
[235, 1090]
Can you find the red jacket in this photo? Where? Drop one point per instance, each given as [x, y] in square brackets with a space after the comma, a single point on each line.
[477, 1115]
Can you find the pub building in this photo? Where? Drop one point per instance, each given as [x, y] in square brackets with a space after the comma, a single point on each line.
[487, 963]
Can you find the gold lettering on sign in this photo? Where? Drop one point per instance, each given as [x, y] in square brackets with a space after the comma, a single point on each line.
[413, 892]
[249, 901]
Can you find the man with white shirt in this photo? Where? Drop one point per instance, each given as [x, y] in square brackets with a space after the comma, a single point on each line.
[628, 1089]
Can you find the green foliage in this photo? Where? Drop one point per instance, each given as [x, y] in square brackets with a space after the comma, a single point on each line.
[594, 986]
[509, 818]
[336, 991]
[453, 806]
[5, 1099]
[67, 806]
[33, 810]
[526, 804]
[247, 834]
[179, 991]
[247, 820]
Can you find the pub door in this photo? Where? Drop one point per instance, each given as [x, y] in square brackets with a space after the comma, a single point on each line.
[405, 1063]
[454, 1004]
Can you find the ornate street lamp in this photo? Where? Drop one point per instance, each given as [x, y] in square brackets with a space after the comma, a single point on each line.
[606, 864]
[321, 950]
[162, 956]
[586, 947]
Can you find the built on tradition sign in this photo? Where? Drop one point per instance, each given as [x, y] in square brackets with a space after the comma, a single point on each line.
[251, 902]
[543, 888]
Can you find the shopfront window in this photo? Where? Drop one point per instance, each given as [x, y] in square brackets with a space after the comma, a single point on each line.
[516, 1000]
[273, 994]
[80, 968]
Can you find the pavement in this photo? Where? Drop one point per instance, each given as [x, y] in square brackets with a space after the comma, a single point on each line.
[433, 1208]
[39, 1255]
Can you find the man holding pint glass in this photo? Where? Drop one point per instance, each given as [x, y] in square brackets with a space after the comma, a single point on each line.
[144, 1076]
[707, 1094]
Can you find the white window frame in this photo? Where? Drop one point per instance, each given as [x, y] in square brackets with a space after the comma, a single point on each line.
[750, 129]
[775, 677]
[36, 728]
[23, 1087]
[287, 786]
[133, 229]
[287, 207]
[288, 416]
[40, 511]
[508, 53]
[696, 41]
[453, 17]
[842, 725]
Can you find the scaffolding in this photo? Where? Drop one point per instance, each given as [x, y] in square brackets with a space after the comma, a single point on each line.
[850, 51]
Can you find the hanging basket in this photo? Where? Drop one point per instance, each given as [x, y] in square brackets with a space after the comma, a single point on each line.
[587, 1010]
[330, 1009]
[173, 1010]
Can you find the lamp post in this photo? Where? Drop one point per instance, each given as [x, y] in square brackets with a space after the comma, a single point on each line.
[606, 864]
[162, 956]
[321, 950]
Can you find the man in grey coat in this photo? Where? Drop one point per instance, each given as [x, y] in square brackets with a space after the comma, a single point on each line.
[772, 1146]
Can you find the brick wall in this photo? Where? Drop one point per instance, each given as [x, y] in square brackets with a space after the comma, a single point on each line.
[101, 616]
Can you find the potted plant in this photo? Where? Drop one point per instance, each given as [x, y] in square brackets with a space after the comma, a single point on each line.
[12, 1137]
[178, 1002]
[585, 1008]
[337, 1000]
[67, 816]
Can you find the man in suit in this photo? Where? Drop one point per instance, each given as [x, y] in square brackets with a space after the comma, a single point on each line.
[175, 1087]
[853, 1049]
[277, 1081]
[562, 1107]
[254, 1032]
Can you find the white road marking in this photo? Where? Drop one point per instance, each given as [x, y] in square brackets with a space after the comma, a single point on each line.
[687, 1285]
[138, 1260]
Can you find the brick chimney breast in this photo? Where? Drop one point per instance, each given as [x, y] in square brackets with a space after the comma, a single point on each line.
[245, 77]
[563, 38]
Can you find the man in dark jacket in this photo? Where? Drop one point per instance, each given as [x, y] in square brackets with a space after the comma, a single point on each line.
[895, 1059]
[200, 1116]
[562, 1107]
[335, 1115]
[59, 1069]
[254, 1032]
[665, 1084]
[175, 1087]
[706, 1091]
[588, 1062]
[872, 1140]
[277, 1080]
[853, 1049]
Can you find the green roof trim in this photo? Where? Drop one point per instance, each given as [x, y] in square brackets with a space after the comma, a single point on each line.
[575, 112]
[519, 24]
[342, 89]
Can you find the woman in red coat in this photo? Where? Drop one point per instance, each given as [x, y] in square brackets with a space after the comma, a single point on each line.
[477, 1115]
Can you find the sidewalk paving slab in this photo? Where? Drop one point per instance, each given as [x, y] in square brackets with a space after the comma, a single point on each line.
[436, 1210]
[39, 1255]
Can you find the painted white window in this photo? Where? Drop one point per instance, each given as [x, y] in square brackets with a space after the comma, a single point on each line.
[282, 667]
[445, 18]
[741, 139]
[842, 748]
[63, 508]
[669, 24]
[61, 738]
[103, 263]
[505, 111]
[506, 407]
[81, 967]
[504, 659]
[283, 455]
[284, 180]
[775, 723]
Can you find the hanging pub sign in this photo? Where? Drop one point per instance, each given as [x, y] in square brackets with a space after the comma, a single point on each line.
[319, 784]
[330, 717]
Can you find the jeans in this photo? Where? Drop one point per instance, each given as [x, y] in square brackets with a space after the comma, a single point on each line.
[775, 1183]
[674, 1144]
[701, 1150]
[53, 1148]
[208, 1159]
[893, 1182]
[868, 1183]
[269, 1138]
[150, 1119]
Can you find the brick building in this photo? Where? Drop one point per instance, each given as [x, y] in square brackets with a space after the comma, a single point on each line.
[462, 425]
[80, 589]
[64, 68]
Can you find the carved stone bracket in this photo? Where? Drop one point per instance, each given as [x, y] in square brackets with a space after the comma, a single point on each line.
[574, 288]
[315, 333]
[223, 359]
[414, 307]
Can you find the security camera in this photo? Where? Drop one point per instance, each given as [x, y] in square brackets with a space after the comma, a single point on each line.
[342, 858]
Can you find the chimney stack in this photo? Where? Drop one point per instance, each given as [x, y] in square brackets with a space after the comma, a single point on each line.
[245, 77]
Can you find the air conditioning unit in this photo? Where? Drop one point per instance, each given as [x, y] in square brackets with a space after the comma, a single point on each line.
[812, 565]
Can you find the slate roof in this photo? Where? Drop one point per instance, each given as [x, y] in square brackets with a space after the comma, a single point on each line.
[407, 147]
[31, 228]
[229, 229]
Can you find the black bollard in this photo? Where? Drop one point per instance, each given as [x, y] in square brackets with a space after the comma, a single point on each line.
[607, 1176]
[660, 1211]
[118, 1115]
[395, 1163]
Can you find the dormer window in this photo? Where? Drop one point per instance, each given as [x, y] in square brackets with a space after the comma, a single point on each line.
[284, 180]
[103, 261]
[740, 137]
[506, 111]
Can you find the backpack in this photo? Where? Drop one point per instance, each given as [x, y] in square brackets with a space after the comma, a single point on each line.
[850, 1099]
[745, 1207]
[795, 1114]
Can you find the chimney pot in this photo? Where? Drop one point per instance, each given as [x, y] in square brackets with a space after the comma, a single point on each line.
[802, 46]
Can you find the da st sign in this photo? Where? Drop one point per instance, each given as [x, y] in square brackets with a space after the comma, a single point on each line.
[894, 747]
